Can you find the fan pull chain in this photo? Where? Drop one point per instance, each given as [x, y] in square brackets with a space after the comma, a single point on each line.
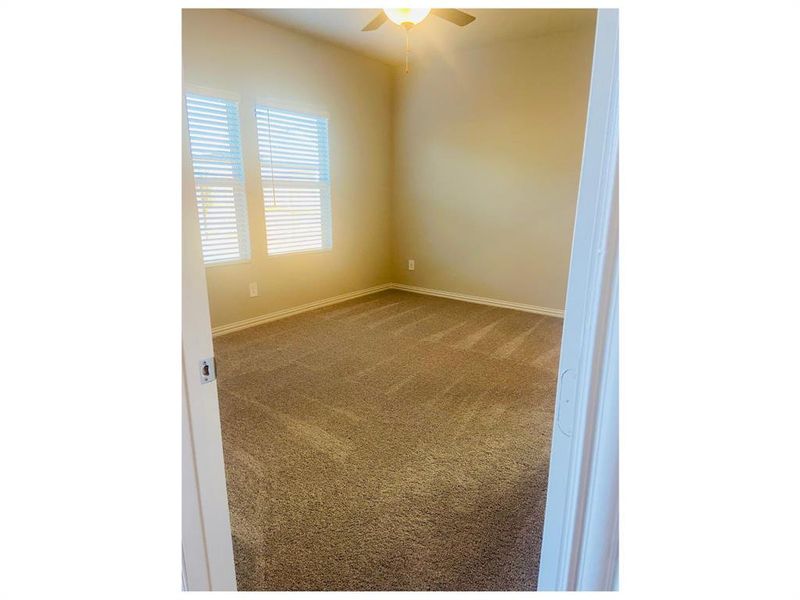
[406, 50]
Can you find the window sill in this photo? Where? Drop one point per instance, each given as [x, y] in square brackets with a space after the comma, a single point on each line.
[228, 263]
[282, 254]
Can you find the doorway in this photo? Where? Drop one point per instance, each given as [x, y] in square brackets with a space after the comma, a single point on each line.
[198, 416]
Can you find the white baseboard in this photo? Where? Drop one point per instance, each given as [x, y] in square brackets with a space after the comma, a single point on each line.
[296, 310]
[542, 310]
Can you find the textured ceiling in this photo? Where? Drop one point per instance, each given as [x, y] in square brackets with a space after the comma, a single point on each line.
[433, 36]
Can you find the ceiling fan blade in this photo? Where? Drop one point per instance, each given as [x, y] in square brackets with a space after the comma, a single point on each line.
[453, 15]
[376, 22]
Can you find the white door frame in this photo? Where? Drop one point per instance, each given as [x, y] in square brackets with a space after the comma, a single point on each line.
[579, 549]
[580, 541]
[206, 531]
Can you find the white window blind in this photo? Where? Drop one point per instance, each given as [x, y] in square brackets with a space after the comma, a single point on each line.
[295, 177]
[219, 178]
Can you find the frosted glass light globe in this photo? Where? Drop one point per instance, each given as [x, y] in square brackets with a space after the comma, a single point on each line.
[411, 16]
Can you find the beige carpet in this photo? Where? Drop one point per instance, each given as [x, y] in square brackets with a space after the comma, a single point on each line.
[393, 442]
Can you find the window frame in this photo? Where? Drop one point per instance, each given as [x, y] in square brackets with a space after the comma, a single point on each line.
[303, 110]
[226, 95]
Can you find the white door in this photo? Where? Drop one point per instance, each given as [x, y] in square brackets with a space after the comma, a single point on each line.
[206, 539]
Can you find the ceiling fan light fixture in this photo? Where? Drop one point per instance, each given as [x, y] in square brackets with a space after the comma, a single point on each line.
[406, 17]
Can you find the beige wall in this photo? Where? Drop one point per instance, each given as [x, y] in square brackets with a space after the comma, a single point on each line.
[487, 157]
[469, 164]
[231, 52]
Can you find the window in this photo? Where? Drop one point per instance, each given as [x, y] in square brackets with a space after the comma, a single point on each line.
[218, 177]
[295, 177]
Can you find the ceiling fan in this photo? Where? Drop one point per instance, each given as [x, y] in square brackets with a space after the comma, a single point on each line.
[408, 17]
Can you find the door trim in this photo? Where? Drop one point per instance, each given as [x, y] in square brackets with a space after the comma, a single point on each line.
[583, 457]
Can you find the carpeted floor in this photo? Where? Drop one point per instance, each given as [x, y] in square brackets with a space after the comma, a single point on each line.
[393, 442]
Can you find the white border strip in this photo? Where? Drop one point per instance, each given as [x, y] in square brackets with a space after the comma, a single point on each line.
[288, 312]
[296, 310]
[550, 312]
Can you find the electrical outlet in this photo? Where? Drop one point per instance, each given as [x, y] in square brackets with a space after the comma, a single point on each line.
[410, 264]
[253, 289]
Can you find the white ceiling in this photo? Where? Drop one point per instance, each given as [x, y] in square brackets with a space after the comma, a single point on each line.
[432, 36]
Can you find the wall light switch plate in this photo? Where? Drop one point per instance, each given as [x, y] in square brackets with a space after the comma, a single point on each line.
[410, 264]
[253, 289]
